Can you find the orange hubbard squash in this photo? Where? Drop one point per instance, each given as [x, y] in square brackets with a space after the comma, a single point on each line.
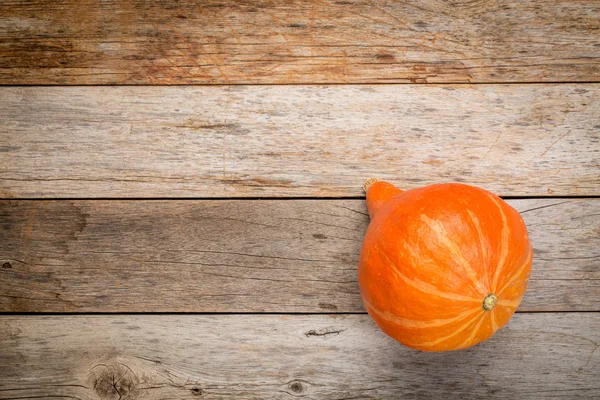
[444, 266]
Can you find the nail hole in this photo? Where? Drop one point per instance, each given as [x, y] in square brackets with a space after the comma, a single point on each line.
[6, 265]
[197, 391]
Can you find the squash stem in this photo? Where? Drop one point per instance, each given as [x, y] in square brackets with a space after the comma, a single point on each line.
[368, 183]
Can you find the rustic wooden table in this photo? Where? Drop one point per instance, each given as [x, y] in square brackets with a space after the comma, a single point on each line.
[201, 240]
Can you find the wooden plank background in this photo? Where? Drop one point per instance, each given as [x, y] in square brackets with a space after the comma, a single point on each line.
[275, 141]
[281, 41]
[245, 256]
[289, 356]
[236, 209]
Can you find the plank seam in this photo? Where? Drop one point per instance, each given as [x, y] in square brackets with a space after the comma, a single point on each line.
[91, 313]
[268, 198]
[461, 83]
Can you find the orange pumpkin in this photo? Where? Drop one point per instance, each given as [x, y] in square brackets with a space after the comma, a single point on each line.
[444, 266]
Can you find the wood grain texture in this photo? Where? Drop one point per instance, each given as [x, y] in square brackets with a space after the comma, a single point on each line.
[280, 41]
[256, 141]
[245, 255]
[537, 356]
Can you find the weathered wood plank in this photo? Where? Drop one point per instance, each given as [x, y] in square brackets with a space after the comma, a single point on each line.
[278, 41]
[245, 256]
[256, 141]
[537, 356]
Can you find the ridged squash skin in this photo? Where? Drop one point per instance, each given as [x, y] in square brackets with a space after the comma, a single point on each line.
[444, 266]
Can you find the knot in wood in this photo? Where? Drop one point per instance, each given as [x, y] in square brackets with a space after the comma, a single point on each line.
[296, 387]
[114, 381]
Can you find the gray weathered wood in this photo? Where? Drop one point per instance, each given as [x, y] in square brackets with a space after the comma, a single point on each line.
[245, 255]
[278, 41]
[537, 356]
[296, 140]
